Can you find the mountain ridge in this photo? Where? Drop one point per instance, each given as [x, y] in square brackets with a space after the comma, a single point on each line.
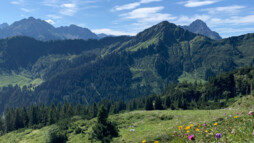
[200, 27]
[42, 30]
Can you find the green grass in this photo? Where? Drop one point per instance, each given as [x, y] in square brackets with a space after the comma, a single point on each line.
[18, 79]
[190, 78]
[155, 125]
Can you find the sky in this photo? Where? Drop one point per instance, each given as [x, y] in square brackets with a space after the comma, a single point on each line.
[128, 17]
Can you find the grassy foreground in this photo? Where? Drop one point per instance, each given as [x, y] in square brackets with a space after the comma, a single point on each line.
[234, 124]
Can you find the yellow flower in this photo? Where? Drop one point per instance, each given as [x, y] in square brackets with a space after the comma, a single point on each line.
[191, 125]
[187, 131]
[187, 128]
[156, 141]
[197, 130]
[144, 141]
[180, 127]
[206, 131]
[235, 117]
[215, 124]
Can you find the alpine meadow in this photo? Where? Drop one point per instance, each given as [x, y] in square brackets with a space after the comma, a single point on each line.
[148, 71]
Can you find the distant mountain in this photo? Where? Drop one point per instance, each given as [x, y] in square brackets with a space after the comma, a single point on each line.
[41, 30]
[76, 32]
[200, 27]
[4, 25]
[102, 35]
[31, 27]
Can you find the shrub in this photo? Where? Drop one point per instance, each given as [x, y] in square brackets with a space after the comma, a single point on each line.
[55, 135]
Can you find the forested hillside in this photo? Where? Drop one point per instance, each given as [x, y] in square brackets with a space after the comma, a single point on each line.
[115, 68]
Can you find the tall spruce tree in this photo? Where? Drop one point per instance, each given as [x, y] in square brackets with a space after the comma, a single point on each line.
[158, 104]
[104, 130]
[149, 104]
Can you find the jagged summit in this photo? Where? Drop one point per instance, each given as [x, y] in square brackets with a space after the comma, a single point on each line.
[4, 25]
[200, 27]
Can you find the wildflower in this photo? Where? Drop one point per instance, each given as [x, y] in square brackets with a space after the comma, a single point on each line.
[253, 133]
[179, 135]
[156, 141]
[237, 113]
[191, 125]
[187, 128]
[205, 124]
[197, 130]
[191, 137]
[144, 141]
[180, 127]
[215, 128]
[206, 131]
[186, 135]
[250, 113]
[235, 117]
[233, 131]
[215, 124]
[187, 131]
[218, 135]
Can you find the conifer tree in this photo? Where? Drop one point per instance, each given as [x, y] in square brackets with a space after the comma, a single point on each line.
[168, 102]
[104, 130]
[149, 104]
[52, 114]
[158, 104]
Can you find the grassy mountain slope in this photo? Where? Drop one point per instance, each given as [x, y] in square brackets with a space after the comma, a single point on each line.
[151, 126]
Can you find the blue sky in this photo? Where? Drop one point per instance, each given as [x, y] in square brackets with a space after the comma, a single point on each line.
[120, 17]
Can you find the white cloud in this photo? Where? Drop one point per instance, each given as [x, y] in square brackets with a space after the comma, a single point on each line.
[51, 3]
[240, 20]
[26, 10]
[127, 6]
[53, 16]
[227, 9]
[50, 21]
[133, 5]
[17, 2]
[148, 14]
[111, 32]
[197, 3]
[68, 9]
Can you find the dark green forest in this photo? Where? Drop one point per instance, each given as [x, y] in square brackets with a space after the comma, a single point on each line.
[219, 92]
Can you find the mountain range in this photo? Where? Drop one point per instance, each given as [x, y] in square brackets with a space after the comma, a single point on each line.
[41, 30]
[116, 68]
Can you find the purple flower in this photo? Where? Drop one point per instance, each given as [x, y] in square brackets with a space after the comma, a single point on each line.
[218, 135]
[191, 137]
[253, 133]
[250, 113]
[237, 113]
[205, 124]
